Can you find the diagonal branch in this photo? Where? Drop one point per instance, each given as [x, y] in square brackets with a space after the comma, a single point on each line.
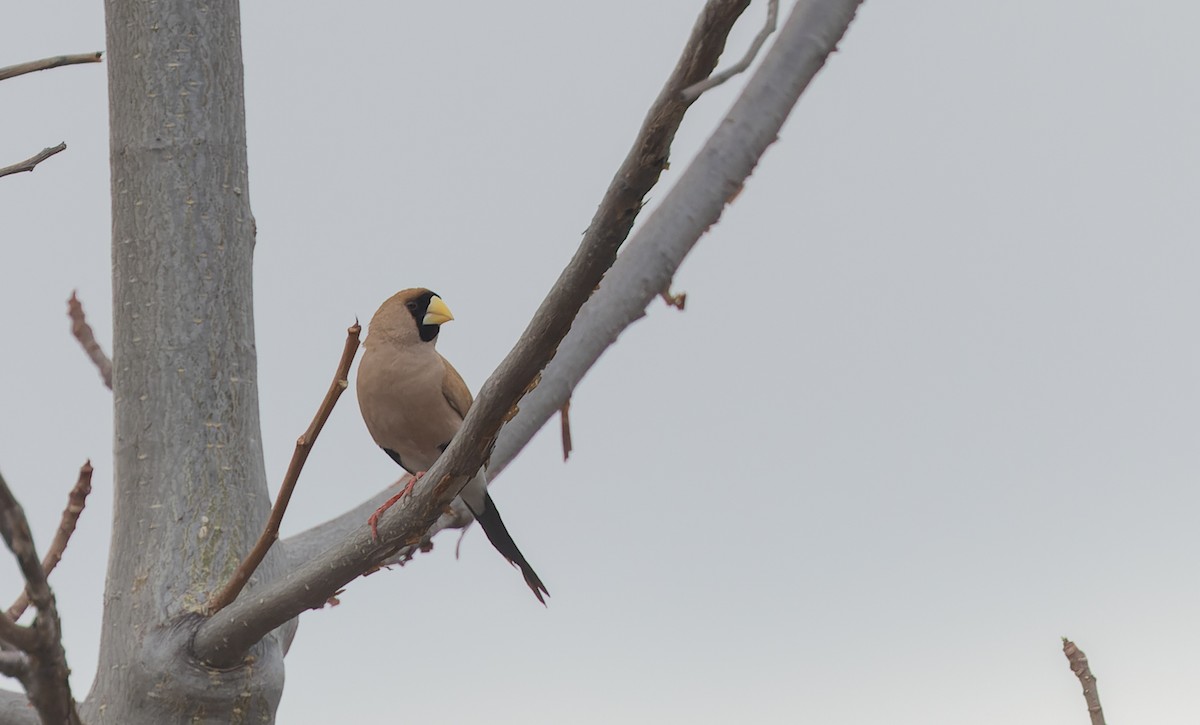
[47, 63]
[76, 500]
[304, 446]
[1079, 665]
[721, 168]
[613, 220]
[649, 260]
[30, 163]
[46, 681]
[83, 333]
[695, 91]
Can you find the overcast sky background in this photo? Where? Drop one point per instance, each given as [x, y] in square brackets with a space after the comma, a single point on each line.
[932, 405]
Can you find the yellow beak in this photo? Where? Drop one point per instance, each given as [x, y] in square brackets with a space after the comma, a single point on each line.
[437, 313]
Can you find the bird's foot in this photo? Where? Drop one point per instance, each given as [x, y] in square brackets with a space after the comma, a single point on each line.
[373, 522]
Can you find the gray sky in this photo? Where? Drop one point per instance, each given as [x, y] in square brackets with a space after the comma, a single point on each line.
[932, 405]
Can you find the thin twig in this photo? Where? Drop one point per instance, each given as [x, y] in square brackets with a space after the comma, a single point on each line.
[304, 446]
[83, 333]
[564, 415]
[48, 63]
[29, 163]
[1079, 665]
[47, 684]
[693, 92]
[76, 500]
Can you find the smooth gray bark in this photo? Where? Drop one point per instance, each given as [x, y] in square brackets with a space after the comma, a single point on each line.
[15, 709]
[190, 487]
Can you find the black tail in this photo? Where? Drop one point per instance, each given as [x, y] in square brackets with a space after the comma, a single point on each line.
[497, 533]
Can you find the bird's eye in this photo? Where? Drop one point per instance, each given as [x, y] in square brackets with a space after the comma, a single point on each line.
[412, 306]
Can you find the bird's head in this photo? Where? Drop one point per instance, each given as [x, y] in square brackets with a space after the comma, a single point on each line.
[410, 316]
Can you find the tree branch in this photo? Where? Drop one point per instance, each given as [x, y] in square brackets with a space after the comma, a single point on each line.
[76, 500]
[1079, 665]
[564, 415]
[83, 333]
[810, 35]
[48, 63]
[304, 446]
[649, 260]
[11, 633]
[610, 225]
[46, 684]
[31, 162]
[695, 91]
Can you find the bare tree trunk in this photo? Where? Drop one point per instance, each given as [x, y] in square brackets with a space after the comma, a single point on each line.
[190, 486]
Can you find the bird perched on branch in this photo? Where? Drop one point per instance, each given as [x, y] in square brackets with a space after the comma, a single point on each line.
[413, 402]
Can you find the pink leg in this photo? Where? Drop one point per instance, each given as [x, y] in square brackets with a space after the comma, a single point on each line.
[374, 520]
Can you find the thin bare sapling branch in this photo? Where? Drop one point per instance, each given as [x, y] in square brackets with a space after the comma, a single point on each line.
[57, 61]
[1079, 665]
[87, 338]
[304, 446]
[76, 500]
[31, 163]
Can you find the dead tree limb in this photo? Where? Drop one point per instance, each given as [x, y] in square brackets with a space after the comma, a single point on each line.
[47, 63]
[76, 500]
[31, 163]
[1079, 665]
[46, 679]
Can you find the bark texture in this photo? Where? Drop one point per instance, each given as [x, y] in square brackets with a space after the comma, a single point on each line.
[190, 486]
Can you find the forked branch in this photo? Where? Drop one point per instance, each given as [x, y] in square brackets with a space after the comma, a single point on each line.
[695, 91]
[304, 446]
[46, 673]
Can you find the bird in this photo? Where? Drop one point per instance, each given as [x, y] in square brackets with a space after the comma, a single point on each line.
[413, 401]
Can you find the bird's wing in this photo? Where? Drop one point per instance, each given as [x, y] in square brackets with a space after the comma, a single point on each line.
[456, 391]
